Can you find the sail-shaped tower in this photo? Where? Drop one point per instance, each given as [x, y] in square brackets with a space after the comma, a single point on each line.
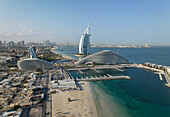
[84, 45]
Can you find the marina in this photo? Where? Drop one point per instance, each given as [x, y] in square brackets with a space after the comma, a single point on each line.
[160, 71]
[119, 68]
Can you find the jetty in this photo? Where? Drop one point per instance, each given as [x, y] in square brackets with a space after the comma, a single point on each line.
[159, 70]
[96, 70]
[80, 71]
[160, 76]
[100, 78]
[98, 67]
[167, 79]
[109, 66]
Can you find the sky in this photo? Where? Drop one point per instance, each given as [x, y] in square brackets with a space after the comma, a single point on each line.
[112, 22]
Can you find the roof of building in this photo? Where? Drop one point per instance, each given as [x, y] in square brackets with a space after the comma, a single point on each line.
[103, 57]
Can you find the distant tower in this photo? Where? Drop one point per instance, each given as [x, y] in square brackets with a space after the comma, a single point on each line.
[12, 43]
[9, 44]
[0, 43]
[22, 43]
[146, 46]
[32, 52]
[84, 45]
[5, 43]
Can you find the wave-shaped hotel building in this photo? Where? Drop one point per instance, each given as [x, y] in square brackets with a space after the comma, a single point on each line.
[105, 57]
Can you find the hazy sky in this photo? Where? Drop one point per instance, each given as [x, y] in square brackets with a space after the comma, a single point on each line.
[111, 22]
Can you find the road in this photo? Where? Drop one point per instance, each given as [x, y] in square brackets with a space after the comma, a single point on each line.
[41, 80]
[48, 102]
[25, 112]
[46, 110]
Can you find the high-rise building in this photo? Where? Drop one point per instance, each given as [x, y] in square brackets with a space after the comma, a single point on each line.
[0, 43]
[84, 45]
[5, 43]
[11, 43]
[46, 43]
[22, 43]
[19, 43]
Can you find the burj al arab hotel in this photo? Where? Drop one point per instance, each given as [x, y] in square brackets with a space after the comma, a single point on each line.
[84, 45]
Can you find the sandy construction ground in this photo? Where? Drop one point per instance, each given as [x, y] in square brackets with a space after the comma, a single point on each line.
[82, 104]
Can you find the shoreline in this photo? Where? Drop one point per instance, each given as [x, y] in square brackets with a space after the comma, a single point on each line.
[82, 103]
[63, 56]
[89, 97]
[93, 106]
[115, 105]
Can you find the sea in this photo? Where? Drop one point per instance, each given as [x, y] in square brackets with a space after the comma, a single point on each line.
[145, 95]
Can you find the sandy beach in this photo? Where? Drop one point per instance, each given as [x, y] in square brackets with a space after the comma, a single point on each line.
[66, 57]
[63, 56]
[81, 105]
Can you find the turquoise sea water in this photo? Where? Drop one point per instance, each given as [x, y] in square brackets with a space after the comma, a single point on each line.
[143, 96]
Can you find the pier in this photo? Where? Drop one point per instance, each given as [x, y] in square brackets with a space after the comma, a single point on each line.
[96, 70]
[159, 70]
[102, 78]
[160, 76]
[108, 66]
[167, 79]
[80, 71]
[116, 67]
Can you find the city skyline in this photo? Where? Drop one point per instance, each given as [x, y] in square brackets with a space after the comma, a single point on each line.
[112, 22]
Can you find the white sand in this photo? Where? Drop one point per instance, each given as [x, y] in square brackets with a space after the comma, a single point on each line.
[63, 56]
[66, 57]
[82, 104]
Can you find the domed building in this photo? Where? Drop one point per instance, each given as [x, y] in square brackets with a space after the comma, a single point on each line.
[31, 64]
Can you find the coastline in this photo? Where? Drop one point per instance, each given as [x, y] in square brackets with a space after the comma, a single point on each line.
[82, 103]
[107, 105]
[63, 56]
[92, 105]
[119, 103]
